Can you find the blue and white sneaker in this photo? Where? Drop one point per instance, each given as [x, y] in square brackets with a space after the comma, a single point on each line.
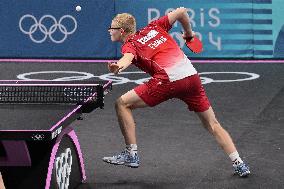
[124, 158]
[132, 160]
[242, 170]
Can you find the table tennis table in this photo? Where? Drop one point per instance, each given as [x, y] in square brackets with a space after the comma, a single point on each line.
[38, 147]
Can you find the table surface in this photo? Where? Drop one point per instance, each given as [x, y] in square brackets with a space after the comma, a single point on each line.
[29, 117]
[40, 117]
[34, 121]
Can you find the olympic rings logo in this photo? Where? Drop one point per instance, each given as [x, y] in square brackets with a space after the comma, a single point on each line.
[118, 80]
[123, 77]
[45, 30]
[38, 137]
[63, 165]
[75, 76]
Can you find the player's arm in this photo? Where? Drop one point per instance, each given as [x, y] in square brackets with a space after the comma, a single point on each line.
[121, 64]
[181, 15]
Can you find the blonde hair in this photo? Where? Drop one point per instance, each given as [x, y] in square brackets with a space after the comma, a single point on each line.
[125, 21]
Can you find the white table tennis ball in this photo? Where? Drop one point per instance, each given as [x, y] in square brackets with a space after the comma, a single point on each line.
[78, 8]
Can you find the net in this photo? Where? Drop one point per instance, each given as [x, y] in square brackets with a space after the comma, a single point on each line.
[47, 94]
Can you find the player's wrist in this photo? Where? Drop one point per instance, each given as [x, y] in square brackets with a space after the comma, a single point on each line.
[188, 35]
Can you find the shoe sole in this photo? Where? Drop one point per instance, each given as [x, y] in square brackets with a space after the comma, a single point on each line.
[127, 165]
[132, 165]
[246, 174]
[113, 163]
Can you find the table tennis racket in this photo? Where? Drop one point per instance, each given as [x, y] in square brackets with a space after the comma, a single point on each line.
[194, 44]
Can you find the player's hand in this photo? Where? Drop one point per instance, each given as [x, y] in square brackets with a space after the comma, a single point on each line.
[187, 36]
[113, 67]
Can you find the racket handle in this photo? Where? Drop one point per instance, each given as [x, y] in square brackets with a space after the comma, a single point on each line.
[187, 38]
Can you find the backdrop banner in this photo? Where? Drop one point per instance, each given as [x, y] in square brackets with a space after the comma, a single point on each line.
[228, 28]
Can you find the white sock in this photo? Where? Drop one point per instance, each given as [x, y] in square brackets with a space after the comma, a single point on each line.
[132, 148]
[235, 158]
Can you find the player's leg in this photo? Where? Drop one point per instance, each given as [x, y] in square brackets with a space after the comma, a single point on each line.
[194, 96]
[224, 140]
[213, 126]
[124, 106]
[148, 94]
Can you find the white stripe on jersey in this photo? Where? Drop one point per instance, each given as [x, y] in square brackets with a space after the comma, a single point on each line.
[180, 70]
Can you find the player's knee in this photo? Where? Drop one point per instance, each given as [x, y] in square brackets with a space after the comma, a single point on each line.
[119, 103]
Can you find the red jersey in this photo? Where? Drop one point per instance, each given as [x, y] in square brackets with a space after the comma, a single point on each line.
[157, 53]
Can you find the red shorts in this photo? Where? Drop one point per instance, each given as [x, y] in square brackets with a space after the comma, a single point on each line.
[189, 90]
